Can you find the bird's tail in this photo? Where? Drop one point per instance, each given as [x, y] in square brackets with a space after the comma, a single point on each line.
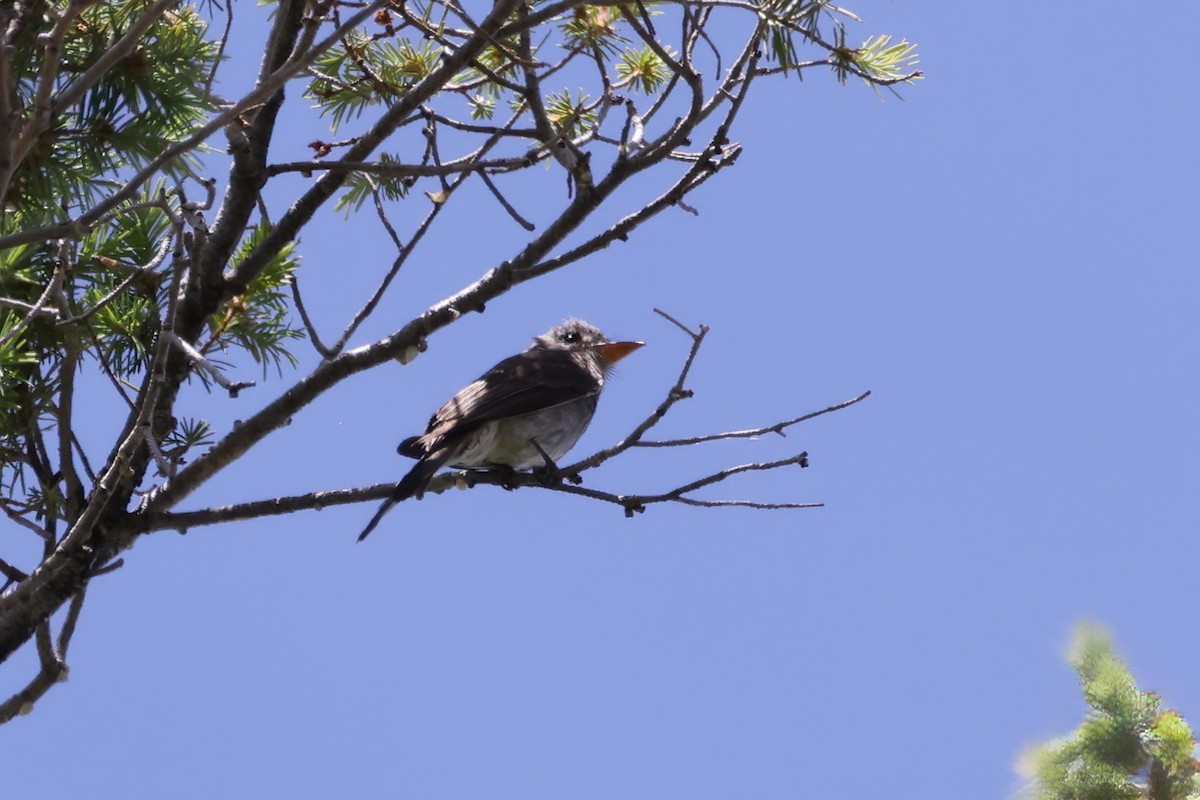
[411, 485]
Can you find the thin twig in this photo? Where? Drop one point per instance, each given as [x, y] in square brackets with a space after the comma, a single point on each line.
[159, 520]
[50, 672]
[778, 427]
[512, 212]
[11, 573]
[406, 249]
[198, 359]
[53, 288]
[24, 523]
[317, 344]
[165, 466]
[72, 618]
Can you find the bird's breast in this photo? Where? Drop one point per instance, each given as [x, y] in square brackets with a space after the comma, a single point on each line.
[510, 442]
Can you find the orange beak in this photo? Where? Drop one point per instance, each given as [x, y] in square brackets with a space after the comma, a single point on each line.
[612, 352]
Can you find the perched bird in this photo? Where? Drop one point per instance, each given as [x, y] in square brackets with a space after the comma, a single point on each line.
[527, 411]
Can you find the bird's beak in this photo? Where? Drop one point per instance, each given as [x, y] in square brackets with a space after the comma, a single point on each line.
[612, 352]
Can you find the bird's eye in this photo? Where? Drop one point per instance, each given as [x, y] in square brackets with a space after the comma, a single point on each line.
[571, 337]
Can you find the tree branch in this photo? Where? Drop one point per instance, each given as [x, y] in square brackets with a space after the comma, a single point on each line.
[77, 227]
[303, 209]
[753, 433]
[160, 519]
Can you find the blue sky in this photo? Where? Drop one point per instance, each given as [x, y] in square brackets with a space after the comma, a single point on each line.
[1003, 259]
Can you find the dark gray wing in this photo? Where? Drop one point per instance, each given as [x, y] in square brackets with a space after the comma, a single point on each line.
[535, 379]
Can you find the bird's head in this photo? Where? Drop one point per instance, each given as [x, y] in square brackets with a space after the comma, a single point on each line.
[579, 336]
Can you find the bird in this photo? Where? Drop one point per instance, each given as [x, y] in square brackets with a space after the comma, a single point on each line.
[527, 411]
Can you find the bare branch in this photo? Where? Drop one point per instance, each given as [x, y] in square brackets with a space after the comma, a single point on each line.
[72, 487]
[512, 212]
[469, 163]
[688, 124]
[778, 427]
[31, 309]
[50, 673]
[197, 358]
[184, 520]
[68, 629]
[676, 393]
[160, 520]
[324, 351]
[220, 54]
[11, 574]
[406, 250]
[165, 466]
[637, 503]
[24, 523]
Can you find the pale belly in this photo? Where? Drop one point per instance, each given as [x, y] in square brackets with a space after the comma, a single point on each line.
[509, 442]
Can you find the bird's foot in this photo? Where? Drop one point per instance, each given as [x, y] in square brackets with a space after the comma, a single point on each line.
[506, 477]
[501, 475]
[548, 474]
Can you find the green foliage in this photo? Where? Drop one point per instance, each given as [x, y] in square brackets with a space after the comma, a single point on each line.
[259, 321]
[13, 355]
[151, 98]
[570, 117]
[1128, 746]
[882, 60]
[643, 69]
[360, 185]
[403, 63]
[124, 324]
[187, 435]
[362, 73]
[482, 106]
[493, 61]
[788, 20]
[594, 28]
[340, 90]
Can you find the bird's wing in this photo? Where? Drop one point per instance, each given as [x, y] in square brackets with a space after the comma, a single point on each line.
[518, 385]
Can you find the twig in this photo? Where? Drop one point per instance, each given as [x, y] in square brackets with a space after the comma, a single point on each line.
[676, 393]
[138, 272]
[165, 467]
[324, 351]
[11, 573]
[160, 520]
[18, 305]
[68, 628]
[53, 288]
[512, 212]
[219, 57]
[51, 671]
[406, 249]
[24, 523]
[184, 520]
[111, 566]
[211, 369]
[391, 169]
[83, 459]
[778, 428]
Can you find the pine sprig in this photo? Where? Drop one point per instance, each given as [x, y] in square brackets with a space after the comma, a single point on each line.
[259, 321]
[146, 100]
[643, 69]
[1128, 747]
